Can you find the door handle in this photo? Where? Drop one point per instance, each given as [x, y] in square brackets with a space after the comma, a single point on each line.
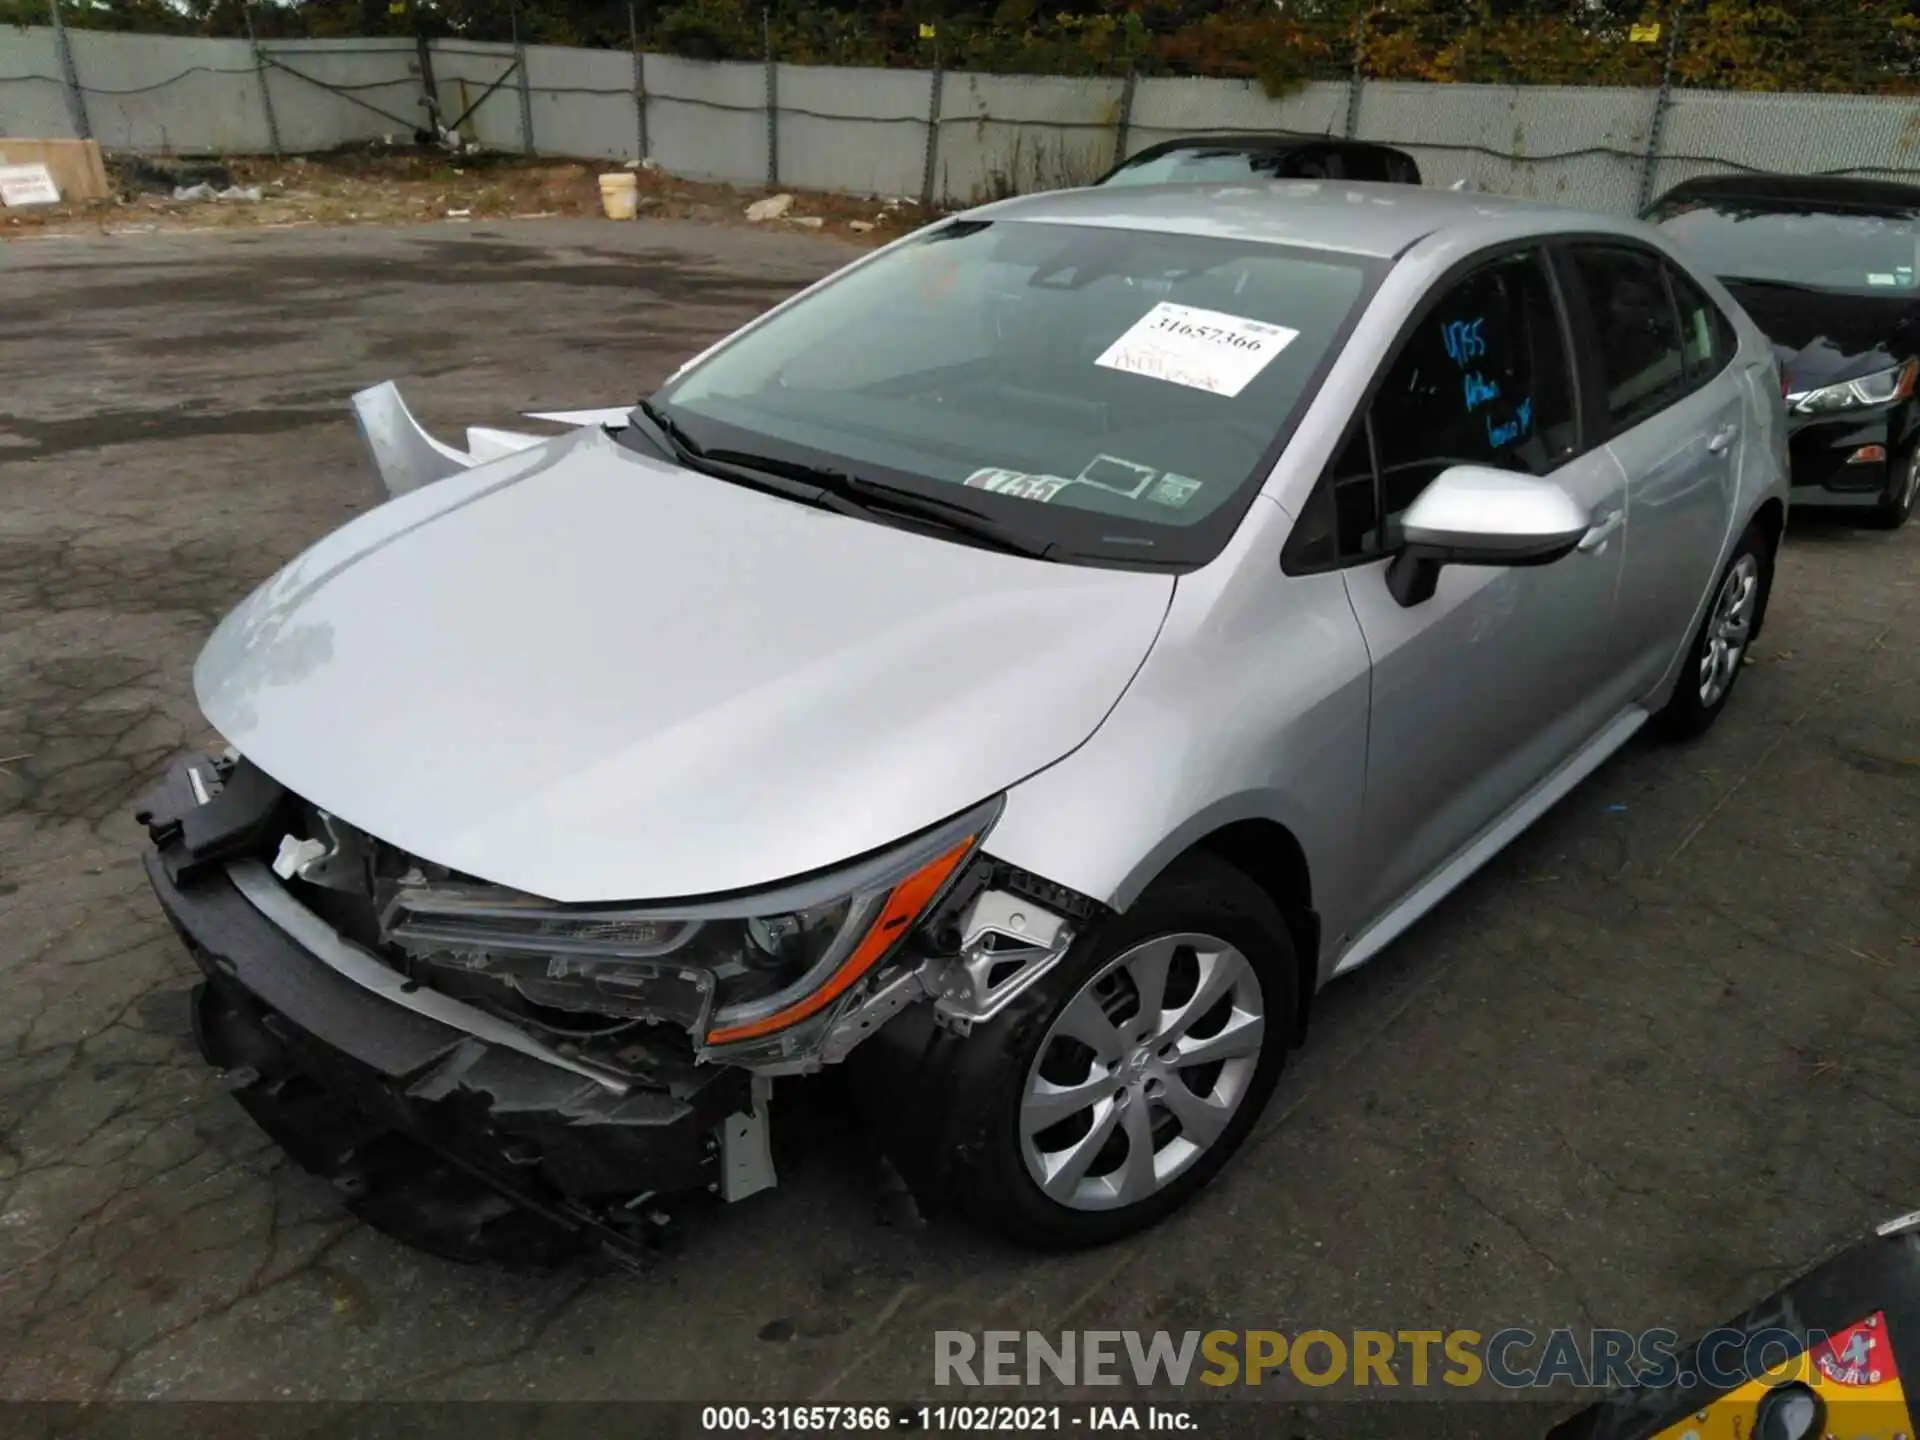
[1595, 540]
[1722, 438]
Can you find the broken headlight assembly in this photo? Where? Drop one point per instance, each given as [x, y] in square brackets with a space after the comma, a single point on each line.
[757, 976]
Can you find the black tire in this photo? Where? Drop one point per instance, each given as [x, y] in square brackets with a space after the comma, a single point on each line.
[1690, 712]
[1903, 488]
[981, 1079]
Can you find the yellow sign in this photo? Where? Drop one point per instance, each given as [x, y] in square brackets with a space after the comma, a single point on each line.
[926, 31]
[1644, 34]
[1852, 1383]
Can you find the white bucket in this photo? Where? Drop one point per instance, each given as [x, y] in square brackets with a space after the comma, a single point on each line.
[619, 195]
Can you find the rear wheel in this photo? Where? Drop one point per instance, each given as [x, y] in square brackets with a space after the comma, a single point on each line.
[1902, 491]
[1719, 646]
[1116, 1087]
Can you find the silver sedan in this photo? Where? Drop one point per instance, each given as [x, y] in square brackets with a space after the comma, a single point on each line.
[1024, 667]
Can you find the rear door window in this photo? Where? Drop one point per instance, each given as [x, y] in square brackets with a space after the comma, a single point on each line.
[1706, 335]
[1642, 361]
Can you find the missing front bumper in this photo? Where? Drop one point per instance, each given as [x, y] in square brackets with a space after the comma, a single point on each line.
[458, 1143]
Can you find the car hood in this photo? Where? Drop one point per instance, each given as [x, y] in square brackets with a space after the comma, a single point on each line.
[591, 675]
[1823, 337]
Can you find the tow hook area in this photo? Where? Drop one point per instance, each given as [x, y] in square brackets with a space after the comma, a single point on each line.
[746, 1154]
[437, 1160]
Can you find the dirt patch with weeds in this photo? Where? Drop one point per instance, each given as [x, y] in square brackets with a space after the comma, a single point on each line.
[386, 187]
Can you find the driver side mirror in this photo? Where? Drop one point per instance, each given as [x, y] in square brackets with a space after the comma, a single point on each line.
[1477, 515]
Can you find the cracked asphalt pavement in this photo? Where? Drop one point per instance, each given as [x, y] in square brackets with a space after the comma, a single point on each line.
[1656, 1059]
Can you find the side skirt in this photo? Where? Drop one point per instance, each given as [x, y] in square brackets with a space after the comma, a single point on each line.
[1491, 841]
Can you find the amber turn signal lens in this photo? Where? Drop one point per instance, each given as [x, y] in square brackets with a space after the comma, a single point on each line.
[906, 902]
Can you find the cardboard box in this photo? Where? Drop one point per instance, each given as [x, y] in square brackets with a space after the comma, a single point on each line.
[75, 165]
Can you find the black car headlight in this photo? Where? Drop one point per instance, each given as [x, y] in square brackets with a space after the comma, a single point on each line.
[1880, 388]
[767, 961]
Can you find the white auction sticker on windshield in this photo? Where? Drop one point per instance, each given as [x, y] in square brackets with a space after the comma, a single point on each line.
[1201, 349]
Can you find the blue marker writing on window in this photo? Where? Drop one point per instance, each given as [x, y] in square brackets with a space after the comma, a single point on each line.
[1463, 339]
[1503, 435]
[1479, 389]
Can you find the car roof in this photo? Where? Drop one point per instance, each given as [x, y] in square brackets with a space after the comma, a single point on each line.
[1355, 217]
[1839, 190]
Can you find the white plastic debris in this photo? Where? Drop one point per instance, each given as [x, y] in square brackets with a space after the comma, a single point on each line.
[771, 208]
[860, 227]
[295, 853]
[812, 222]
[459, 214]
[204, 191]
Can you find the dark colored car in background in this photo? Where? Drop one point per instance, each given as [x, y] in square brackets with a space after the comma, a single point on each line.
[1216, 159]
[1827, 266]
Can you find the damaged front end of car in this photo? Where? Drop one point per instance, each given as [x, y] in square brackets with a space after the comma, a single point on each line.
[491, 1076]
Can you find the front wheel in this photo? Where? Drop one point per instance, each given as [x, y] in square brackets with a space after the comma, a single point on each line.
[1903, 489]
[1719, 646]
[1116, 1087]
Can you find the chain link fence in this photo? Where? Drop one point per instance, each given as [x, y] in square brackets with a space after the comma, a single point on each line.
[946, 125]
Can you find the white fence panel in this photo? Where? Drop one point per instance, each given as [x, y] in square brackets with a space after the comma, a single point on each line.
[1572, 146]
[583, 102]
[707, 119]
[882, 152]
[182, 95]
[1165, 109]
[1709, 131]
[376, 92]
[33, 99]
[1008, 134]
[463, 71]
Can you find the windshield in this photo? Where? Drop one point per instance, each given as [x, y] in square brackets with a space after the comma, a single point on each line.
[1116, 393]
[1868, 252]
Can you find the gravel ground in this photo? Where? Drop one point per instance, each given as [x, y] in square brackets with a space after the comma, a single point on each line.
[1654, 1060]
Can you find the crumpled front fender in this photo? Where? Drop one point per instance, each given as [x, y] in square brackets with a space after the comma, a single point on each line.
[407, 457]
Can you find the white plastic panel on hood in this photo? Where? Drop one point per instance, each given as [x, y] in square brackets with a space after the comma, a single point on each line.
[591, 675]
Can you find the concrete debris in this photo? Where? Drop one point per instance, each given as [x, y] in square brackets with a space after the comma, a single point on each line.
[771, 208]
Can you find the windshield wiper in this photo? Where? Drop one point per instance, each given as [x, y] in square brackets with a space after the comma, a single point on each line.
[671, 438]
[832, 489]
[870, 495]
[1766, 284]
